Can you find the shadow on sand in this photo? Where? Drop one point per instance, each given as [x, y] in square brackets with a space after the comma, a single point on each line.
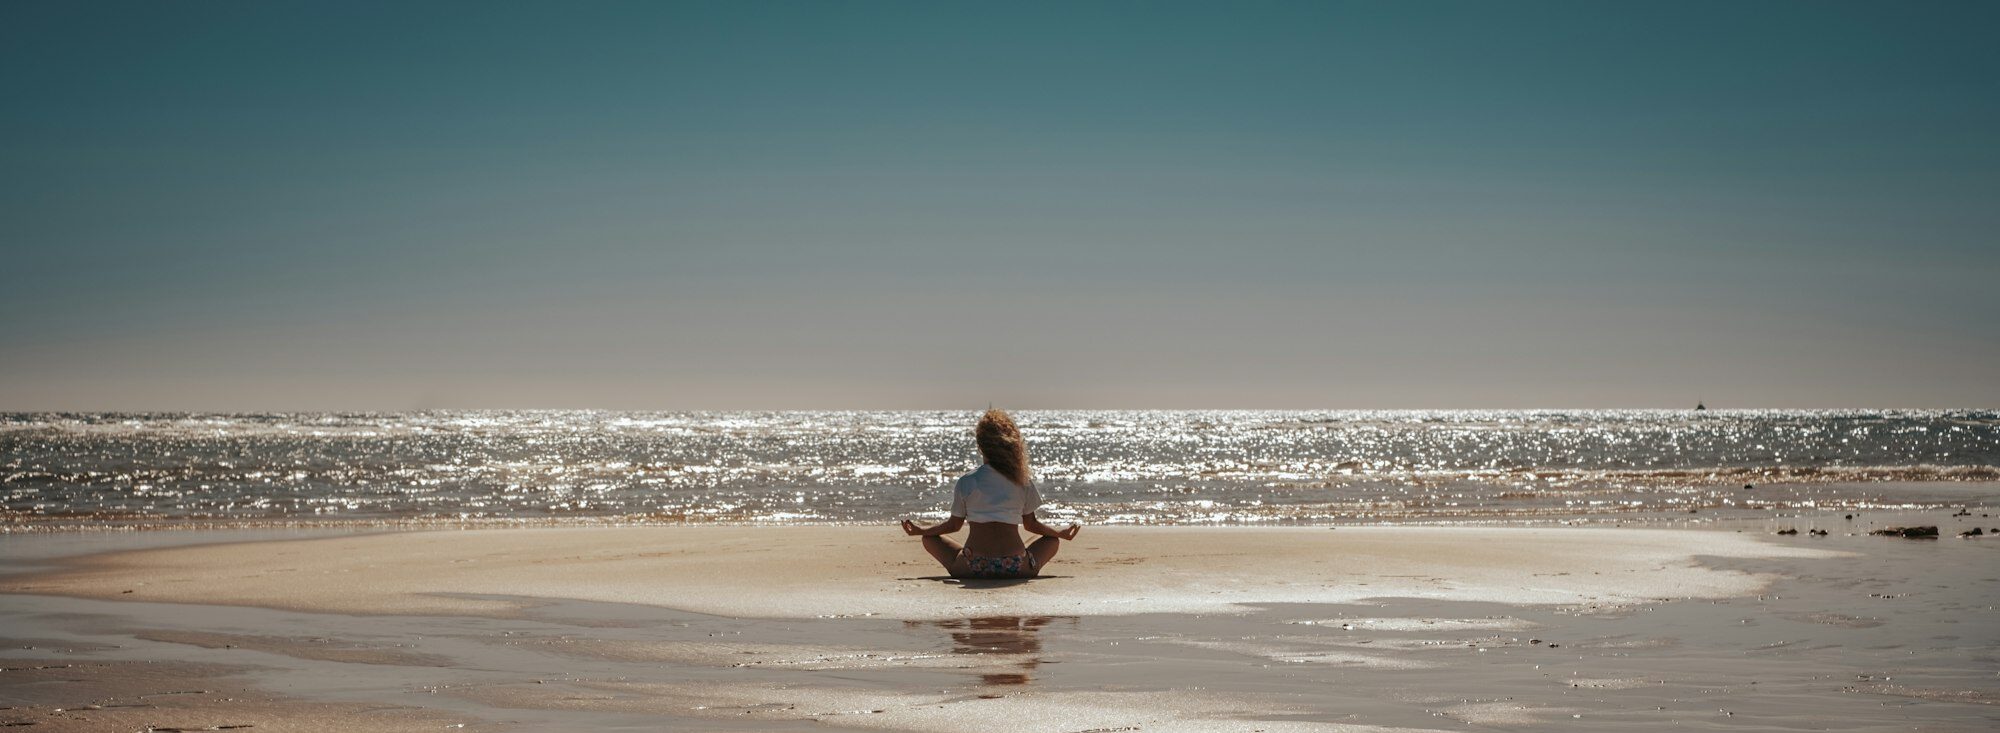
[978, 583]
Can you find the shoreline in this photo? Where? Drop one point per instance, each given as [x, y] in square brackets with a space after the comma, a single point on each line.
[1727, 508]
[614, 628]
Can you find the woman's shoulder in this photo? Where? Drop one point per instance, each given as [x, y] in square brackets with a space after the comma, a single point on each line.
[975, 476]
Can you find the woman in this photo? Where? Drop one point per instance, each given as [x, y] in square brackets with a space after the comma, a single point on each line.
[994, 498]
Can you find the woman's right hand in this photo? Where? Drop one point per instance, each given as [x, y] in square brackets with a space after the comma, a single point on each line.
[911, 528]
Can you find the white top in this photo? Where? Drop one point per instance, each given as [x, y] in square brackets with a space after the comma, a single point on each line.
[986, 495]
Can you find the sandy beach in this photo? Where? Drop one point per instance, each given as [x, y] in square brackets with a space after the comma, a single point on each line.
[808, 627]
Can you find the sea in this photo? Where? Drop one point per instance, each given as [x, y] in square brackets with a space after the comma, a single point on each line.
[114, 470]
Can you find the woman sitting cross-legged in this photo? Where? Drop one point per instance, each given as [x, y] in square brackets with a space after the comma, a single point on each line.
[998, 499]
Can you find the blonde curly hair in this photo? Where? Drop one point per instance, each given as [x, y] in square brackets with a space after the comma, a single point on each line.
[1001, 445]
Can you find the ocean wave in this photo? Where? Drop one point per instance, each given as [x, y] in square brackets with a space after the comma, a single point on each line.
[1250, 466]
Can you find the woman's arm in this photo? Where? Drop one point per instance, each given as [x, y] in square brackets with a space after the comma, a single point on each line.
[945, 527]
[1030, 523]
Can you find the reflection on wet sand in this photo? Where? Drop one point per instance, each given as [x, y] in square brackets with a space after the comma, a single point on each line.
[1011, 636]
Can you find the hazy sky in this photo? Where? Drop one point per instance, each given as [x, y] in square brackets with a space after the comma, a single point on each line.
[346, 205]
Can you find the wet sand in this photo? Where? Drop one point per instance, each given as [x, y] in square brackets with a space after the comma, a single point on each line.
[67, 694]
[795, 628]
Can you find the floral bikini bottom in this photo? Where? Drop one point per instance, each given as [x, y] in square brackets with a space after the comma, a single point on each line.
[993, 567]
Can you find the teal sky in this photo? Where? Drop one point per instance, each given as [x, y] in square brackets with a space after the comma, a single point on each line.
[652, 205]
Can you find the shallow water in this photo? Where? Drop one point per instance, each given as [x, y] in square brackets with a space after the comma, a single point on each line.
[1225, 467]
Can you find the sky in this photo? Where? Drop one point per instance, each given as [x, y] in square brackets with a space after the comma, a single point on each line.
[240, 206]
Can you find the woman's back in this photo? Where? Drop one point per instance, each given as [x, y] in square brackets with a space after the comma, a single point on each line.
[984, 495]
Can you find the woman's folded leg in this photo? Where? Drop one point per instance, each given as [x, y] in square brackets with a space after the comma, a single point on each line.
[1044, 550]
[943, 550]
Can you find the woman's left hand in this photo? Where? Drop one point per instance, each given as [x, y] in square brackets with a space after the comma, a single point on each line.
[1069, 533]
